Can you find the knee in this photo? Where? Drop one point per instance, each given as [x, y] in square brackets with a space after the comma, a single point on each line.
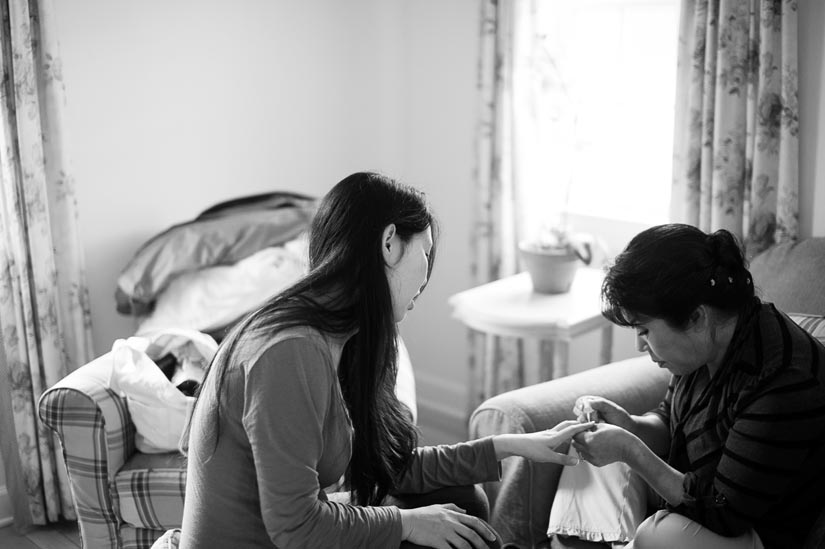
[473, 500]
[662, 530]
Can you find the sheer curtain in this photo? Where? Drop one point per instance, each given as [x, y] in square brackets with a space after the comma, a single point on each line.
[44, 312]
[504, 94]
[736, 136]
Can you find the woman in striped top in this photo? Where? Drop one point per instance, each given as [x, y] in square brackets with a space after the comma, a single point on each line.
[736, 448]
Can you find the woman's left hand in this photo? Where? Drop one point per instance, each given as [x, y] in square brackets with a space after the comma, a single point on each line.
[541, 446]
[604, 444]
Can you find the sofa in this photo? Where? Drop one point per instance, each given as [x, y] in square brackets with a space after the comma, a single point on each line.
[126, 499]
[788, 275]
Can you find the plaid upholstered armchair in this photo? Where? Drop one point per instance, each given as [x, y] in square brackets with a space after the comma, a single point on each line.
[123, 498]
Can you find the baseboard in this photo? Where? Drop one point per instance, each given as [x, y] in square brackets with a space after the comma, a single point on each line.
[6, 515]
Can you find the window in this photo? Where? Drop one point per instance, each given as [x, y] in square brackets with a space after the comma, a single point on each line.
[603, 84]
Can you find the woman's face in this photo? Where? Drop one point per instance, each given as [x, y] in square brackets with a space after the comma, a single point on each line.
[407, 271]
[680, 351]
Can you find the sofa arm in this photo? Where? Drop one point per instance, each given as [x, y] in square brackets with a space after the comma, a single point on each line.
[96, 433]
[521, 502]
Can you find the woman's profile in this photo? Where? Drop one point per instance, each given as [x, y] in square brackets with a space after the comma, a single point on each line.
[734, 452]
[301, 393]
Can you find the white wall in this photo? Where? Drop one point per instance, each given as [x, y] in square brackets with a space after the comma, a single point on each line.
[173, 106]
[811, 118]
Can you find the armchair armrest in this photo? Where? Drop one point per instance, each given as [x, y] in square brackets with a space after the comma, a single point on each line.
[521, 502]
[97, 436]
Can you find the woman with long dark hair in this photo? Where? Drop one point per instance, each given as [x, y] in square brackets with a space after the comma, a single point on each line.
[301, 392]
[734, 453]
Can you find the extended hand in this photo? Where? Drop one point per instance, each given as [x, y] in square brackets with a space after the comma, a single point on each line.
[604, 444]
[541, 446]
[444, 527]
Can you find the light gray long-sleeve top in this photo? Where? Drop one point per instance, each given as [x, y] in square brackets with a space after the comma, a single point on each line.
[285, 434]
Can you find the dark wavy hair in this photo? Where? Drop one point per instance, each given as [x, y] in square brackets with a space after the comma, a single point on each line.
[669, 270]
[346, 291]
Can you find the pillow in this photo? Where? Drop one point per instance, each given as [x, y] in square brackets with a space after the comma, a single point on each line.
[223, 237]
[789, 275]
[813, 324]
[210, 299]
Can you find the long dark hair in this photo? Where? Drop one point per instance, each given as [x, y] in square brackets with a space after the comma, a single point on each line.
[669, 270]
[346, 291]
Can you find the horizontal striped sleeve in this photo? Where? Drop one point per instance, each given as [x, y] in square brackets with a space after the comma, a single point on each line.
[755, 447]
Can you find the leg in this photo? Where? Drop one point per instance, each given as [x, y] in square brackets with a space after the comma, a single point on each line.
[561, 357]
[607, 344]
[490, 366]
[547, 360]
[470, 498]
[666, 529]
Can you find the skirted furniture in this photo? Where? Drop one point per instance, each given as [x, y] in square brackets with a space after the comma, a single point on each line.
[788, 275]
[124, 498]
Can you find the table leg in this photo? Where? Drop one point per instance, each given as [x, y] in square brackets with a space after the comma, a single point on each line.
[476, 370]
[547, 358]
[561, 356]
[490, 374]
[607, 344]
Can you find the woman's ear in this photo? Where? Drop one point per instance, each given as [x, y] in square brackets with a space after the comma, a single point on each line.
[699, 318]
[391, 245]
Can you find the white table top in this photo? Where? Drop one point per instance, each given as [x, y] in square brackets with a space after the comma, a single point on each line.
[510, 307]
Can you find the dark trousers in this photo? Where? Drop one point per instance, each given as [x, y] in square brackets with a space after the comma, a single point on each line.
[470, 498]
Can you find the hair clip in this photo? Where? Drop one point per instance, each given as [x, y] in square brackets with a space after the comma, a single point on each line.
[712, 282]
[730, 280]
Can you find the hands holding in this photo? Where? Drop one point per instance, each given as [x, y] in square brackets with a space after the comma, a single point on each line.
[605, 444]
[444, 527]
[602, 409]
[541, 446]
[608, 441]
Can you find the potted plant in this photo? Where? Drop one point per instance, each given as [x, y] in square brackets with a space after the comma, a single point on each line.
[553, 258]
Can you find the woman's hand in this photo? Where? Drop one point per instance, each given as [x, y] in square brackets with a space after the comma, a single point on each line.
[541, 446]
[604, 409]
[444, 527]
[605, 444]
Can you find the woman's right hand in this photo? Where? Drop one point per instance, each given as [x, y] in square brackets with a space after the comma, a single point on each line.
[444, 527]
[606, 410]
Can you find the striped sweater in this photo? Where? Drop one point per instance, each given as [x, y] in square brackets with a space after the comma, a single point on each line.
[751, 440]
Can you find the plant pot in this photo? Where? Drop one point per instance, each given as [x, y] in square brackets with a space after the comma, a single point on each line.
[552, 270]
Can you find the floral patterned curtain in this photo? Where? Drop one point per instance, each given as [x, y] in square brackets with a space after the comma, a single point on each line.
[503, 90]
[44, 312]
[737, 124]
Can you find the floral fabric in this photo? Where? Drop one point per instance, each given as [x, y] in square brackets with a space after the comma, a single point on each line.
[736, 135]
[44, 307]
[496, 363]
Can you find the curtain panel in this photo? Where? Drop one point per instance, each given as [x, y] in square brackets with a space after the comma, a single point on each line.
[44, 307]
[504, 89]
[736, 134]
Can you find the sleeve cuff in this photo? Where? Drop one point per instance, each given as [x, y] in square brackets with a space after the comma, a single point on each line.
[492, 466]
